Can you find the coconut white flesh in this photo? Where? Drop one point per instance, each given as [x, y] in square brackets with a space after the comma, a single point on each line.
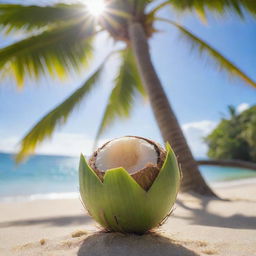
[131, 153]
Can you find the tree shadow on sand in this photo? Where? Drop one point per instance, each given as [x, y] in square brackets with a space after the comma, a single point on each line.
[109, 244]
[203, 216]
[52, 221]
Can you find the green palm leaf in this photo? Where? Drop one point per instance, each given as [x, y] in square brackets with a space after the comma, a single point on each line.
[122, 97]
[16, 17]
[216, 6]
[57, 117]
[204, 48]
[58, 51]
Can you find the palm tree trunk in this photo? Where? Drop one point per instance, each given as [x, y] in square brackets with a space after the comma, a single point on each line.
[164, 115]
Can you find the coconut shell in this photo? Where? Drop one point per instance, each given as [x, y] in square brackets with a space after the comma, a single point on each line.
[144, 177]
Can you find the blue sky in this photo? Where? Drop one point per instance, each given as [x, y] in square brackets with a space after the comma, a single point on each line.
[198, 92]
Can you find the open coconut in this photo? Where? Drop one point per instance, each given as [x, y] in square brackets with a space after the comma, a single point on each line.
[140, 157]
[129, 184]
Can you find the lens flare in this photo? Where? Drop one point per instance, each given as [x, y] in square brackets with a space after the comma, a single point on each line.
[95, 7]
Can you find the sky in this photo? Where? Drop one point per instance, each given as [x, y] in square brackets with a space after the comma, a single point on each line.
[198, 92]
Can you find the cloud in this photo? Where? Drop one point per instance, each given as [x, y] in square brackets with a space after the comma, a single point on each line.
[242, 107]
[8, 144]
[61, 144]
[195, 132]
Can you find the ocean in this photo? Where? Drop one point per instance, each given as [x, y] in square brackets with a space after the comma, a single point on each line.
[51, 177]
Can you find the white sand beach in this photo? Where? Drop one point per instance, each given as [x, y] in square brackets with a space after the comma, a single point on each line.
[198, 226]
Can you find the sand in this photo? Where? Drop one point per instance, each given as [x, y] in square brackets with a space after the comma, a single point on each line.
[198, 226]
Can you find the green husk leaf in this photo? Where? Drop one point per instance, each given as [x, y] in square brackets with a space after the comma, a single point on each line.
[165, 188]
[125, 209]
[91, 189]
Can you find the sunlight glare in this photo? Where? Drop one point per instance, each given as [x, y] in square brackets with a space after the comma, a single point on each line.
[95, 7]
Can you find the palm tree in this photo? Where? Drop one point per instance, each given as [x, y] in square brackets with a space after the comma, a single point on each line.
[232, 111]
[60, 40]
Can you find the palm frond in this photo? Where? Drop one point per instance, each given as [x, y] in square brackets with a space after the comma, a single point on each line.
[57, 117]
[158, 8]
[220, 7]
[57, 51]
[28, 18]
[126, 84]
[204, 48]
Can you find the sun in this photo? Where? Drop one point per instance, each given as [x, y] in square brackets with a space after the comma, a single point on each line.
[95, 7]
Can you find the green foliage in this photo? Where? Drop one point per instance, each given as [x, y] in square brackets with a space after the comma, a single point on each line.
[232, 111]
[29, 18]
[57, 117]
[204, 48]
[234, 138]
[126, 85]
[56, 51]
[219, 7]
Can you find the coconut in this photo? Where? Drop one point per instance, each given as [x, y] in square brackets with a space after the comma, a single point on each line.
[141, 158]
[130, 184]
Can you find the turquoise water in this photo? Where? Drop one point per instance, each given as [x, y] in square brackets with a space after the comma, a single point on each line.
[55, 175]
[39, 175]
